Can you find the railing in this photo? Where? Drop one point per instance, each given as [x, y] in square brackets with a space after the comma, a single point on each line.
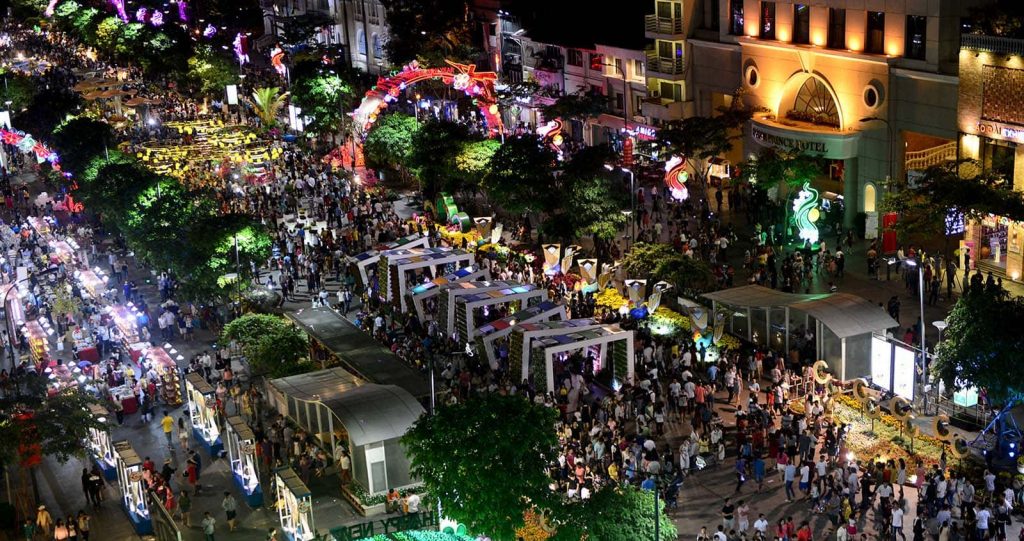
[663, 25]
[923, 159]
[660, 64]
[992, 44]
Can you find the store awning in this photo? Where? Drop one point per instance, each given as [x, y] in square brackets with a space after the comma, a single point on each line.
[844, 314]
[369, 412]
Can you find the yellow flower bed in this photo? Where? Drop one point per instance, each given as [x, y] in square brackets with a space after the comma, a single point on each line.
[885, 442]
[668, 316]
[532, 529]
[610, 298]
[455, 238]
[728, 342]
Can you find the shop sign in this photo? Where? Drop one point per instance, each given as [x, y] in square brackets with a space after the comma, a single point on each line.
[1001, 131]
[770, 140]
[385, 526]
[992, 221]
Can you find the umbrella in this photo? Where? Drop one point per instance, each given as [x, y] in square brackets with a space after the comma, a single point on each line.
[84, 364]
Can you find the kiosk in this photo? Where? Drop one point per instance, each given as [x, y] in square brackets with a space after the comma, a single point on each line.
[294, 505]
[133, 487]
[486, 335]
[473, 311]
[126, 318]
[450, 294]
[202, 410]
[241, 446]
[609, 347]
[395, 266]
[100, 446]
[368, 259]
[421, 293]
[170, 386]
[94, 282]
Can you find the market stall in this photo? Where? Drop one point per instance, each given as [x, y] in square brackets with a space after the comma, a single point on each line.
[60, 376]
[124, 395]
[294, 505]
[450, 294]
[166, 369]
[241, 446]
[126, 318]
[133, 487]
[523, 334]
[366, 261]
[476, 309]
[100, 446]
[38, 345]
[202, 410]
[13, 308]
[40, 225]
[397, 268]
[607, 347]
[93, 282]
[487, 335]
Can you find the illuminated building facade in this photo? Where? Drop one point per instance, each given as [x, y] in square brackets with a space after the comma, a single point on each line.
[991, 125]
[869, 85]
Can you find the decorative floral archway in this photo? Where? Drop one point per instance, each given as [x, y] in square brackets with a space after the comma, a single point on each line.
[464, 77]
[28, 145]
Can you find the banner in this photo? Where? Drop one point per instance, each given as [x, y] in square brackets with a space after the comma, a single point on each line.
[699, 317]
[552, 256]
[637, 290]
[483, 226]
[607, 271]
[567, 259]
[588, 270]
[654, 301]
[496, 231]
[719, 326]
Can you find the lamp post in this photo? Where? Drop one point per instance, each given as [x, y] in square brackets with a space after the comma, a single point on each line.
[941, 326]
[913, 262]
[632, 193]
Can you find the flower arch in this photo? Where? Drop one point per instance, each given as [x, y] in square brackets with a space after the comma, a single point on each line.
[28, 145]
[464, 77]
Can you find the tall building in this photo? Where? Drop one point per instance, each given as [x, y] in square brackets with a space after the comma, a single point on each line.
[359, 27]
[869, 85]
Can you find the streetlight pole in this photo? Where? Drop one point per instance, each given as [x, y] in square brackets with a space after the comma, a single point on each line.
[919, 264]
[941, 326]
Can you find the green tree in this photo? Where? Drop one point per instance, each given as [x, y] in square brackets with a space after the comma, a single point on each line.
[579, 107]
[213, 257]
[272, 345]
[435, 147]
[107, 33]
[522, 177]
[210, 72]
[300, 29]
[80, 140]
[485, 460]
[982, 345]
[656, 262]
[130, 39]
[616, 513]
[111, 188]
[47, 109]
[61, 421]
[430, 31]
[472, 163]
[325, 98]
[155, 223]
[85, 24]
[18, 90]
[390, 142]
[698, 139]
[268, 103]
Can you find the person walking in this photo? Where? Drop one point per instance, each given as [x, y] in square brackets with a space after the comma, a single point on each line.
[167, 423]
[209, 524]
[44, 522]
[185, 508]
[83, 525]
[183, 432]
[230, 507]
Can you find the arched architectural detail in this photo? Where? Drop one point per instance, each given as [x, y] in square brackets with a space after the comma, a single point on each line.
[870, 197]
[807, 94]
[464, 77]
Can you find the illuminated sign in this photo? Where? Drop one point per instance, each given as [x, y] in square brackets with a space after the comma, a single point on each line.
[881, 363]
[954, 222]
[806, 213]
[768, 139]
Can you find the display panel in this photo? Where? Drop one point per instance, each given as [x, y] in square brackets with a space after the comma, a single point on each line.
[881, 363]
[903, 372]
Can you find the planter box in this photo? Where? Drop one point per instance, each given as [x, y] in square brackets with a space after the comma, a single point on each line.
[358, 505]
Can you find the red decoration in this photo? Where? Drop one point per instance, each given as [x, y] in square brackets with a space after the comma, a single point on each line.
[627, 153]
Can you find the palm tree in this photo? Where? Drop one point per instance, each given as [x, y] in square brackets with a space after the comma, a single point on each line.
[268, 103]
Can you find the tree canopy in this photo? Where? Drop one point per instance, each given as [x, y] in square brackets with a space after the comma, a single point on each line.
[485, 459]
[662, 262]
[982, 345]
[435, 146]
[61, 422]
[620, 513]
[390, 141]
[430, 31]
[579, 106]
[272, 345]
[700, 138]
[210, 72]
[522, 176]
[324, 97]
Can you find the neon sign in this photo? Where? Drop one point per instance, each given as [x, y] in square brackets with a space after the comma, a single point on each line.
[676, 177]
[551, 134]
[805, 213]
[464, 77]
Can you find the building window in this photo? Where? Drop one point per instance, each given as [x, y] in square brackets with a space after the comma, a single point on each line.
[618, 70]
[597, 62]
[767, 20]
[575, 57]
[361, 41]
[378, 49]
[836, 28]
[876, 32]
[814, 104]
[736, 17]
[638, 69]
[801, 24]
[619, 101]
[710, 19]
[917, 34]
[671, 91]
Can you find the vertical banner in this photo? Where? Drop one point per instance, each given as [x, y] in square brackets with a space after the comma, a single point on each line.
[483, 226]
[719, 326]
[699, 317]
[552, 257]
[496, 230]
[232, 92]
[588, 270]
[607, 271]
[570, 255]
[637, 290]
[654, 301]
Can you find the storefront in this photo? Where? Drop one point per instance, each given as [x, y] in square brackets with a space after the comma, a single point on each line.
[994, 243]
[100, 447]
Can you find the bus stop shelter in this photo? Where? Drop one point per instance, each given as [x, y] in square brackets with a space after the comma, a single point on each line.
[841, 324]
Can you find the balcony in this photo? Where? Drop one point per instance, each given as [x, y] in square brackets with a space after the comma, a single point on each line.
[665, 67]
[548, 63]
[992, 44]
[663, 26]
[663, 110]
[923, 159]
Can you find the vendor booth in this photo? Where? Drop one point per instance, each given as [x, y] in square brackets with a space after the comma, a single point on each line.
[397, 268]
[366, 419]
[93, 282]
[420, 294]
[606, 346]
[241, 446]
[294, 504]
[202, 410]
[126, 318]
[38, 345]
[100, 446]
[522, 336]
[167, 369]
[835, 327]
[476, 309]
[487, 335]
[451, 293]
[133, 487]
[366, 262]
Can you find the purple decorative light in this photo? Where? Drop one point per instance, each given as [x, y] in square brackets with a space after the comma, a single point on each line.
[157, 18]
[239, 47]
[140, 15]
[182, 11]
[119, 7]
[209, 31]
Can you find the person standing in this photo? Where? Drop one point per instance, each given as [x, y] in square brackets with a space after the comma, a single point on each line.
[209, 524]
[185, 507]
[83, 525]
[44, 522]
[167, 423]
[230, 507]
